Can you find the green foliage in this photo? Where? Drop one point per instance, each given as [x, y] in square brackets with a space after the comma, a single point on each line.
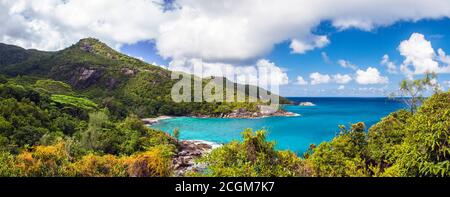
[7, 165]
[53, 87]
[343, 156]
[3, 79]
[22, 122]
[252, 157]
[77, 102]
[123, 84]
[401, 144]
[385, 138]
[176, 134]
[46, 131]
[93, 138]
[426, 151]
[411, 91]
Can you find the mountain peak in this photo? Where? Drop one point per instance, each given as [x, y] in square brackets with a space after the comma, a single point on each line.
[95, 46]
[92, 45]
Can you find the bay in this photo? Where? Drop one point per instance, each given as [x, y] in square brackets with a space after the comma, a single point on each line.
[316, 124]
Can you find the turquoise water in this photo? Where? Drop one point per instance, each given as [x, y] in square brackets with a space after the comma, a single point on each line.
[316, 124]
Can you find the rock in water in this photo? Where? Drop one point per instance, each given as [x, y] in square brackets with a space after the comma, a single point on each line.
[306, 104]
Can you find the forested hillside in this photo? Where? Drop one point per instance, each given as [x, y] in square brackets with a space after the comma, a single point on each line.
[113, 80]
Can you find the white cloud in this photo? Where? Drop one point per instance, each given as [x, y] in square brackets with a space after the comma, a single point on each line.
[269, 73]
[420, 56]
[372, 90]
[341, 87]
[370, 76]
[301, 81]
[302, 46]
[342, 79]
[443, 57]
[215, 31]
[55, 24]
[317, 78]
[419, 53]
[264, 73]
[347, 64]
[391, 67]
[156, 64]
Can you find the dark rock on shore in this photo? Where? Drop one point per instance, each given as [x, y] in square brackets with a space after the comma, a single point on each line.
[188, 152]
[264, 111]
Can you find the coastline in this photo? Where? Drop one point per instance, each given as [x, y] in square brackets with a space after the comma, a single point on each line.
[243, 115]
[152, 121]
[184, 161]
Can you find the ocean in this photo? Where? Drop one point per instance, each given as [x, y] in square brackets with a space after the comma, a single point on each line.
[316, 124]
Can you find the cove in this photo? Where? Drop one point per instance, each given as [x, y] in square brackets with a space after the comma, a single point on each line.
[316, 124]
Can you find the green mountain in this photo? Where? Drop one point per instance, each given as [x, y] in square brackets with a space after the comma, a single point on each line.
[119, 82]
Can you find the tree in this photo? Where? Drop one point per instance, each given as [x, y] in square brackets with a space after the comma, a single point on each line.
[411, 91]
[426, 150]
[92, 137]
[344, 156]
[176, 134]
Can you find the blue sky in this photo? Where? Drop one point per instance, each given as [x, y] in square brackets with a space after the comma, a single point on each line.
[362, 48]
[289, 38]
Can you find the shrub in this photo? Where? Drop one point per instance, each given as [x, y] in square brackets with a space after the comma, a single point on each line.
[47, 161]
[154, 162]
[252, 157]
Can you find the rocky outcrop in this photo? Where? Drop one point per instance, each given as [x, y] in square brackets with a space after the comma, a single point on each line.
[128, 72]
[84, 77]
[86, 46]
[152, 121]
[188, 152]
[264, 111]
[306, 104]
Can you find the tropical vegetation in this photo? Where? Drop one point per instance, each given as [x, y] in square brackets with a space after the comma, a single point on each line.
[77, 112]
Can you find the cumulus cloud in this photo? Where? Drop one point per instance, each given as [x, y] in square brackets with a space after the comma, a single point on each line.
[420, 56]
[55, 24]
[301, 81]
[302, 46]
[445, 59]
[372, 90]
[391, 67]
[269, 73]
[347, 64]
[317, 78]
[370, 76]
[213, 32]
[342, 79]
[219, 30]
[341, 87]
[264, 73]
